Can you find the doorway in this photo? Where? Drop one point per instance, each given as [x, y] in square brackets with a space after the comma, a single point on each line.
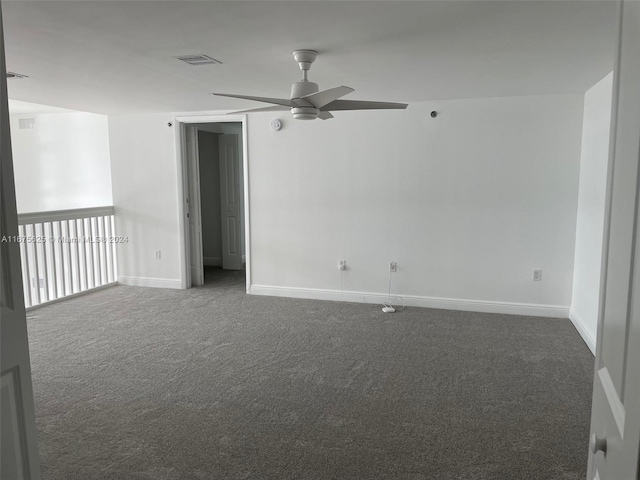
[212, 158]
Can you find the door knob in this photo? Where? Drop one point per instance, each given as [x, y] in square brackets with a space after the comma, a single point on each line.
[598, 444]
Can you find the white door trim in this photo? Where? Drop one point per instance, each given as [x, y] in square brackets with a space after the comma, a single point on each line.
[185, 273]
[193, 204]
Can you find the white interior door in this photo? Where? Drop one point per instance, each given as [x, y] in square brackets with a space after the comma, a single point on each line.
[230, 202]
[615, 420]
[18, 436]
[193, 206]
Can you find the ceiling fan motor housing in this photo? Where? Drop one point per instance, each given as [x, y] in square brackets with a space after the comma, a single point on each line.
[299, 90]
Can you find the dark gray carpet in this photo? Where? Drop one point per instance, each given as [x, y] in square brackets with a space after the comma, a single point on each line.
[209, 383]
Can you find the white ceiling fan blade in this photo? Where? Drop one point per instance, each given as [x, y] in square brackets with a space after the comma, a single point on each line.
[362, 105]
[320, 99]
[278, 101]
[325, 115]
[275, 108]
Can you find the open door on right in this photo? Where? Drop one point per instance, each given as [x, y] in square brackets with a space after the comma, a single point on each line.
[615, 419]
[230, 203]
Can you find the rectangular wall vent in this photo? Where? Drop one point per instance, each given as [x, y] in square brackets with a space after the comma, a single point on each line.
[27, 123]
[16, 75]
[199, 59]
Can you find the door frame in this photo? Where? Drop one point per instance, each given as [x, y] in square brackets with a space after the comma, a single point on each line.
[181, 163]
[194, 205]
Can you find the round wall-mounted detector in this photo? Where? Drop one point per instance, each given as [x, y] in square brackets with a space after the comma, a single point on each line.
[434, 114]
[276, 124]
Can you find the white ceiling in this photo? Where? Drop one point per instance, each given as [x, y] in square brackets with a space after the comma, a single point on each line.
[118, 56]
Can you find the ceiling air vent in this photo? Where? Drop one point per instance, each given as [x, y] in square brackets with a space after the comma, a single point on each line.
[16, 75]
[199, 60]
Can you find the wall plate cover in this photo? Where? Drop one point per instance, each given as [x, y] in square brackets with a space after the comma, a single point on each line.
[276, 124]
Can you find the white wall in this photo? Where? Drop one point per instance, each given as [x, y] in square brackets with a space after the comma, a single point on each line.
[145, 197]
[63, 163]
[591, 207]
[467, 203]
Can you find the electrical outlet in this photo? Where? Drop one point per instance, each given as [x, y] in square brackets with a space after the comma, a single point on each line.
[537, 275]
[393, 267]
[158, 254]
[342, 265]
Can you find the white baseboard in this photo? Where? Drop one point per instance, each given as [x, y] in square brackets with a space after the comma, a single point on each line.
[588, 337]
[554, 311]
[150, 282]
[73, 295]
[212, 261]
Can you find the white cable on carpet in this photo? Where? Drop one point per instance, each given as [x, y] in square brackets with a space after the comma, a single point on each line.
[388, 304]
[364, 297]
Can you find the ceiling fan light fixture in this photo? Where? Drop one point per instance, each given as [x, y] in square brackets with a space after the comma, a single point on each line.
[305, 113]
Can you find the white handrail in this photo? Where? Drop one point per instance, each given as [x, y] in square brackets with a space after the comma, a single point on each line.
[57, 215]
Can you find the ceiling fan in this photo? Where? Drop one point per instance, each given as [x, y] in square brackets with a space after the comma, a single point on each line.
[307, 102]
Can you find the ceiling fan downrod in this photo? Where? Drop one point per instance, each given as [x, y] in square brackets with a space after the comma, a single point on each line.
[304, 111]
